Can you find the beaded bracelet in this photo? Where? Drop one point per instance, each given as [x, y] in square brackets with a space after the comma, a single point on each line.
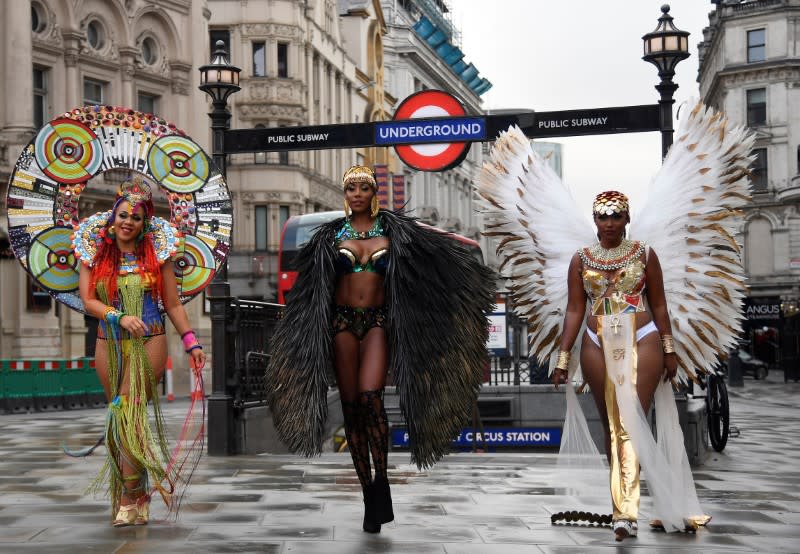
[668, 344]
[112, 315]
[190, 341]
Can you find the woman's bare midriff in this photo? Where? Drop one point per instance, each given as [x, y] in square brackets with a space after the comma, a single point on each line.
[642, 319]
[360, 290]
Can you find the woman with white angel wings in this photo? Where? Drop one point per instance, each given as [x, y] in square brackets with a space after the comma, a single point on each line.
[650, 317]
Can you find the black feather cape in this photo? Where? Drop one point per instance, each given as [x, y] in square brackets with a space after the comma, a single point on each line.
[438, 297]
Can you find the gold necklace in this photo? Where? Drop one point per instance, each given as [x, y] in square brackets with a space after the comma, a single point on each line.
[610, 259]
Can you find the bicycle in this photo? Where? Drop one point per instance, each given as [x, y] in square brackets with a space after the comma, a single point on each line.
[717, 407]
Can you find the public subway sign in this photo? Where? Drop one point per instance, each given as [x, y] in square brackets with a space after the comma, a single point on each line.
[494, 437]
[431, 130]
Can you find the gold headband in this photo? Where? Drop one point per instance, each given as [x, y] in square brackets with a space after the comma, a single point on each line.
[359, 174]
[609, 202]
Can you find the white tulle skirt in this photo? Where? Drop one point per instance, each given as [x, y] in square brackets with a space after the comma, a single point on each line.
[664, 463]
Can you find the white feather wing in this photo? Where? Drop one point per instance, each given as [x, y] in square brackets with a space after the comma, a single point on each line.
[689, 220]
[529, 209]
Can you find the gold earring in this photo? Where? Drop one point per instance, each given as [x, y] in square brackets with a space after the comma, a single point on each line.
[375, 205]
[346, 208]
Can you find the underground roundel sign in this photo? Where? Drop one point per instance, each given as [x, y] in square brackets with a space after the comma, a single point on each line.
[432, 156]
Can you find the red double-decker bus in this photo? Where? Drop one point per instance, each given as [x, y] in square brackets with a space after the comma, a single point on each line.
[298, 230]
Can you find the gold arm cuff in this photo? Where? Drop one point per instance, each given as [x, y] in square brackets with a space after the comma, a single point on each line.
[668, 344]
[563, 360]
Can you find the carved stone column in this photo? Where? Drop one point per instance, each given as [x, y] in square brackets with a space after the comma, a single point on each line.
[127, 62]
[18, 40]
[74, 90]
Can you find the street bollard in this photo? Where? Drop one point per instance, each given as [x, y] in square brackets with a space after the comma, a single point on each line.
[735, 377]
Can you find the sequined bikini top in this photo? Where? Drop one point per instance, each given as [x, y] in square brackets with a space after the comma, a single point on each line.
[627, 284]
[347, 261]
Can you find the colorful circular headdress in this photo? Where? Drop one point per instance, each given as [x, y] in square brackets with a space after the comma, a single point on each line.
[609, 202]
[53, 169]
[359, 174]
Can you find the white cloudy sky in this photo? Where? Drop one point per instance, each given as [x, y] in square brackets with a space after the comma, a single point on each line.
[572, 54]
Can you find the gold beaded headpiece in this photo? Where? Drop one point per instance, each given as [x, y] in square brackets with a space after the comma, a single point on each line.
[359, 174]
[136, 192]
[609, 202]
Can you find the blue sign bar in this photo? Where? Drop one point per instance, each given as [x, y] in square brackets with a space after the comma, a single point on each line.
[422, 131]
[494, 436]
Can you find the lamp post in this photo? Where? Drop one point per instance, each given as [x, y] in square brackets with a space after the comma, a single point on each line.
[664, 47]
[219, 79]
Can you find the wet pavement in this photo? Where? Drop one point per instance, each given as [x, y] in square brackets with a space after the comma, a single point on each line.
[469, 503]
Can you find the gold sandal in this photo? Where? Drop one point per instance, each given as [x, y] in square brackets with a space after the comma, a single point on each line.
[126, 515]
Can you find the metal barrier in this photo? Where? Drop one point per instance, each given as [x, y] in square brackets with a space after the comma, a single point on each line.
[45, 385]
[241, 331]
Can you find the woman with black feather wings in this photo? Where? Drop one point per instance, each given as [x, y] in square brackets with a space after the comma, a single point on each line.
[377, 291]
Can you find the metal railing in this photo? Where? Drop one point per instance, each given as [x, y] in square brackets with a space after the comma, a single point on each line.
[254, 323]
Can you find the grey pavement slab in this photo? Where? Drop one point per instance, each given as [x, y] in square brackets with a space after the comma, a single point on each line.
[493, 503]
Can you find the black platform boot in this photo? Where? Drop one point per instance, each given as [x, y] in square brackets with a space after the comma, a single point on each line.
[370, 524]
[382, 500]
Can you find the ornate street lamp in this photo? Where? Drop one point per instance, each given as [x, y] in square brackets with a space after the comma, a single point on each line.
[219, 80]
[664, 47]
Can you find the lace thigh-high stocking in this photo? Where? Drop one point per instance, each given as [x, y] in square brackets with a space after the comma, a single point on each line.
[357, 441]
[377, 425]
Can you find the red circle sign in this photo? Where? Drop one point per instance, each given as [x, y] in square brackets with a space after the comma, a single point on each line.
[431, 157]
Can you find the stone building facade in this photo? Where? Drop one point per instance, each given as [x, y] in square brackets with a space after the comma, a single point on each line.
[303, 63]
[749, 69]
[56, 55]
[443, 199]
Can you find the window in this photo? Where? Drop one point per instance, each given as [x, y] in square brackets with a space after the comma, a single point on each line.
[40, 111]
[283, 59]
[759, 170]
[95, 34]
[284, 215]
[259, 59]
[756, 45]
[757, 107]
[38, 298]
[147, 103]
[149, 51]
[220, 34]
[261, 227]
[93, 92]
[38, 22]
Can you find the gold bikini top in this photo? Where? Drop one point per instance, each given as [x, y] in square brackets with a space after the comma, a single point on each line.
[626, 285]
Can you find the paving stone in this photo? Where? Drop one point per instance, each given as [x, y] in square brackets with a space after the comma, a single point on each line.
[495, 503]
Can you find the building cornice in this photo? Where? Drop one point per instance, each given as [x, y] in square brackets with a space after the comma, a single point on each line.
[783, 71]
